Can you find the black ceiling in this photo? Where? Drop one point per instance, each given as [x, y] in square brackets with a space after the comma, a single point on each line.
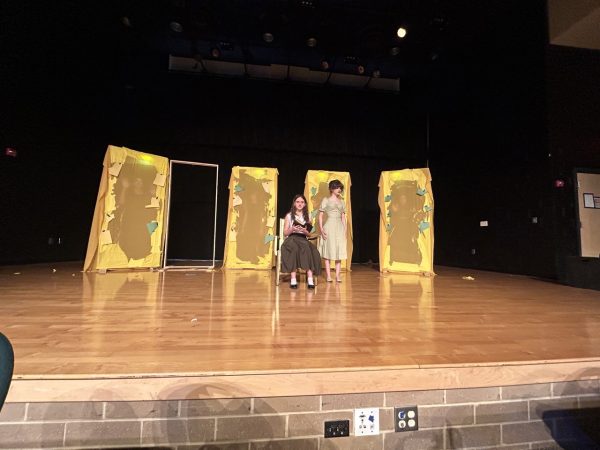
[440, 33]
[346, 33]
[59, 45]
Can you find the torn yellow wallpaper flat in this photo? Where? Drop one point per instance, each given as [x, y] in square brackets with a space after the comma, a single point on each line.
[406, 221]
[127, 230]
[251, 218]
[316, 188]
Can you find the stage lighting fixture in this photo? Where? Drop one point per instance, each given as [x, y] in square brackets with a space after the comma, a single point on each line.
[176, 27]
[125, 21]
[268, 38]
[360, 69]
[325, 64]
[376, 73]
[311, 42]
[215, 52]
[394, 51]
[439, 22]
[401, 32]
[226, 46]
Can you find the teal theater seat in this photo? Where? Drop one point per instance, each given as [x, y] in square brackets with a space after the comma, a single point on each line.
[7, 363]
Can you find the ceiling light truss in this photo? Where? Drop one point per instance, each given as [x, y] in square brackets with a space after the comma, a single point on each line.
[281, 72]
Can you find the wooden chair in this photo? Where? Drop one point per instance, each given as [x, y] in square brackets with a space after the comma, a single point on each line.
[278, 243]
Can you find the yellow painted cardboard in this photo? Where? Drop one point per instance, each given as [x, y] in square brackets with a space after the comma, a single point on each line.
[127, 188]
[251, 216]
[406, 208]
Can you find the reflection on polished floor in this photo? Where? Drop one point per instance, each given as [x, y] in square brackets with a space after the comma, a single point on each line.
[62, 321]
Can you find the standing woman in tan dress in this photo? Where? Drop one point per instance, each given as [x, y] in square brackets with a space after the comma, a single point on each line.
[333, 232]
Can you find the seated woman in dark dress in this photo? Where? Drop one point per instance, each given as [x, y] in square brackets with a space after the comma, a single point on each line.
[296, 251]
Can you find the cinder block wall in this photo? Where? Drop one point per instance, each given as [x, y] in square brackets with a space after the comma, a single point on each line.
[536, 416]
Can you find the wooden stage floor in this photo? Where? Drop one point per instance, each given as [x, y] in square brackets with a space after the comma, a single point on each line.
[238, 331]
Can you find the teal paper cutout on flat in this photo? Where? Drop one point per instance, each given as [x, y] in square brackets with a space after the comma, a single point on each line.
[388, 227]
[423, 226]
[152, 226]
[269, 238]
[387, 198]
[314, 213]
[421, 191]
[389, 214]
[427, 208]
[313, 191]
[238, 188]
[313, 229]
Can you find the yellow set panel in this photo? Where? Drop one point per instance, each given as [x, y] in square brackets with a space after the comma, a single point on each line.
[316, 188]
[406, 221]
[251, 218]
[127, 230]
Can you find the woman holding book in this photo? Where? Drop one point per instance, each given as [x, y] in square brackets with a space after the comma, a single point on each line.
[296, 251]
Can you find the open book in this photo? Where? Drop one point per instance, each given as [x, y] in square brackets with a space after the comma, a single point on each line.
[307, 225]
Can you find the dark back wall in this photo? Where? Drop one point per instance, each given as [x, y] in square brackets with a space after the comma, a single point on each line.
[489, 156]
[485, 112]
[51, 186]
[574, 135]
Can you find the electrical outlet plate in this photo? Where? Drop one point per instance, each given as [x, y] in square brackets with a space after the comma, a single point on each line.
[337, 428]
[406, 418]
[366, 421]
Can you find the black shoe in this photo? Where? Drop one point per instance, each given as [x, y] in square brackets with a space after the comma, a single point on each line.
[310, 286]
[293, 286]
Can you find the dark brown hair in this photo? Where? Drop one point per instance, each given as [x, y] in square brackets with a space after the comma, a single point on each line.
[334, 184]
[304, 210]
